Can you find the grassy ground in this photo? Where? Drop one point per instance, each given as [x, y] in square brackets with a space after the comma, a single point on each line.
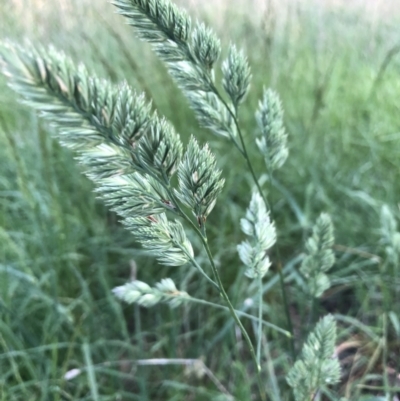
[62, 252]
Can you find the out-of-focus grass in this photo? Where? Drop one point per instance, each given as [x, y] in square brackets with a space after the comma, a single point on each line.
[336, 70]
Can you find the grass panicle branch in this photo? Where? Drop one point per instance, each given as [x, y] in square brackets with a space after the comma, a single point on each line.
[166, 292]
[128, 152]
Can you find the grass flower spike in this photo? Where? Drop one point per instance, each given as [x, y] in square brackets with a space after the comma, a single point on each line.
[141, 293]
[273, 140]
[129, 153]
[320, 257]
[199, 180]
[190, 55]
[317, 366]
[258, 226]
[236, 76]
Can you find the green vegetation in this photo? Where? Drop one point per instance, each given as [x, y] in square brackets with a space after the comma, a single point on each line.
[63, 334]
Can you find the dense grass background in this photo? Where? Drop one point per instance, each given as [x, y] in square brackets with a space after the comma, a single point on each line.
[336, 68]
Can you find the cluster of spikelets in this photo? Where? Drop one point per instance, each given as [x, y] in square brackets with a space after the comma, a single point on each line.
[129, 152]
[132, 154]
[317, 367]
[257, 225]
[319, 258]
[142, 294]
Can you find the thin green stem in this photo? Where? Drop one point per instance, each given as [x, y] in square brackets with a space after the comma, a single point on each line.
[386, 382]
[203, 236]
[235, 317]
[199, 268]
[167, 185]
[287, 312]
[245, 155]
[250, 166]
[283, 289]
[260, 304]
[310, 320]
[240, 313]
[179, 210]
[242, 150]
[271, 371]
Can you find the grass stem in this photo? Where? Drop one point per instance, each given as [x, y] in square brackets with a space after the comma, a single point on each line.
[260, 304]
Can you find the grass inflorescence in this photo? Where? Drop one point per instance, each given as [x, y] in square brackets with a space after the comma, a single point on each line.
[63, 252]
